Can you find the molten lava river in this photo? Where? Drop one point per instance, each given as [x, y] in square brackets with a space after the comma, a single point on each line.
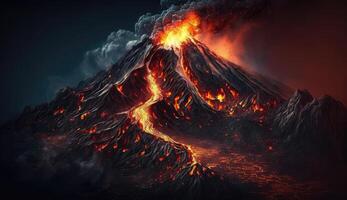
[229, 163]
[218, 157]
[222, 158]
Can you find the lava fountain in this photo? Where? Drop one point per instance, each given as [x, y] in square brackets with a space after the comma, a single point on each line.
[177, 33]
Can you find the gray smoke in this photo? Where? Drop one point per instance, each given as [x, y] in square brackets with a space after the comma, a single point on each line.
[115, 46]
[224, 13]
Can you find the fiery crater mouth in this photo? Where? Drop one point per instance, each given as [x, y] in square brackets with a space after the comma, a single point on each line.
[175, 34]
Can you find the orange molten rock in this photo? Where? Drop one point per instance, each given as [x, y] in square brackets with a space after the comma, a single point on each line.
[179, 32]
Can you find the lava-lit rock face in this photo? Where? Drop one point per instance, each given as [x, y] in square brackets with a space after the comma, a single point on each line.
[120, 117]
[118, 127]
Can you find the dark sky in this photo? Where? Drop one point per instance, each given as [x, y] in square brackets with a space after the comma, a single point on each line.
[302, 44]
[45, 40]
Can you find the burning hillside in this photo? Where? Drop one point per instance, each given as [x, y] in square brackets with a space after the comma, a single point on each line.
[131, 128]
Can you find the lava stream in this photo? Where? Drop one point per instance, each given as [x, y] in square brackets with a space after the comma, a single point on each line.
[142, 115]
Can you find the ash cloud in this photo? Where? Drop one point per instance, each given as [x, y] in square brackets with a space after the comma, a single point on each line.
[119, 42]
[115, 46]
[145, 24]
[215, 15]
[300, 43]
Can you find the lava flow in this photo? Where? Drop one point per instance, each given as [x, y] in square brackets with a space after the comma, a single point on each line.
[173, 36]
[142, 114]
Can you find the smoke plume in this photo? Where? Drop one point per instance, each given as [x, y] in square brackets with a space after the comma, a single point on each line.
[297, 42]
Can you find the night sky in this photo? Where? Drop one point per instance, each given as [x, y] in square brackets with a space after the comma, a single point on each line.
[43, 43]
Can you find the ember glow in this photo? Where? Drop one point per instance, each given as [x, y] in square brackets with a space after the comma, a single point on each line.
[224, 47]
[174, 35]
[178, 116]
[179, 32]
[59, 111]
[229, 45]
[142, 113]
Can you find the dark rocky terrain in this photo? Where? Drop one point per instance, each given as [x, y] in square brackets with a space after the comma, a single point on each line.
[130, 133]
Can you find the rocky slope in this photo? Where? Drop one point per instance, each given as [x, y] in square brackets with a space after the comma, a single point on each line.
[112, 134]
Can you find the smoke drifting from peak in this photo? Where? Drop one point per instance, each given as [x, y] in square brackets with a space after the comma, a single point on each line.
[300, 43]
[216, 16]
[116, 45]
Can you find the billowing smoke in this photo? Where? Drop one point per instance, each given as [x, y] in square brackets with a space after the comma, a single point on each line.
[116, 45]
[296, 42]
[216, 15]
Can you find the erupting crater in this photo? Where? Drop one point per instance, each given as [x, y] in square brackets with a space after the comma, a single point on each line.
[177, 33]
[131, 119]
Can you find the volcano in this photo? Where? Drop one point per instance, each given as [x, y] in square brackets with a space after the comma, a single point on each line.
[131, 131]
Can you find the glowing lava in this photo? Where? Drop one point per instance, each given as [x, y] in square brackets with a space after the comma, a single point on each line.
[142, 114]
[179, 32]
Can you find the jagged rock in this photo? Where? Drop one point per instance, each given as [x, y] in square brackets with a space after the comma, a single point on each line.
[91, 131]
[112, 132]
[318, 126]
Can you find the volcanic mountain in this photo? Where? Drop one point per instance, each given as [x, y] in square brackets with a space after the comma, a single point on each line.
[120, 132]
